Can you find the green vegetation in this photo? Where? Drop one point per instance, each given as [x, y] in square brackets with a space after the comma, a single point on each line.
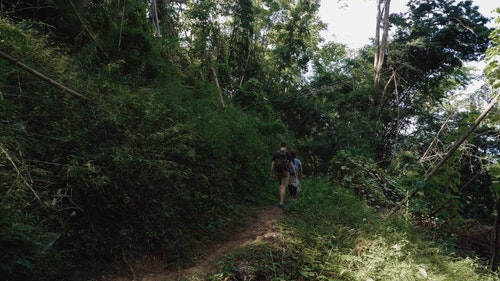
[332, 235]
[124, 134]
[131, 169]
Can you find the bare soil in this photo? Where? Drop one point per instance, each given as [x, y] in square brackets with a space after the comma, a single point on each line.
[261, 226]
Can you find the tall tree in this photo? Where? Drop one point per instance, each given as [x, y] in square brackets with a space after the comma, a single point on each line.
[381, 40]
[241, 57]
[292, 41]
[493, 74]
[430, 45]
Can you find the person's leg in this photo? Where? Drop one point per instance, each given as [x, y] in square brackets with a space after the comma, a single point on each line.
[292, 187]
[283, 184]
[280, 182]
[282, 194]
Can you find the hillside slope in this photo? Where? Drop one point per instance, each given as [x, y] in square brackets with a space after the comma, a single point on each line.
[260, 226]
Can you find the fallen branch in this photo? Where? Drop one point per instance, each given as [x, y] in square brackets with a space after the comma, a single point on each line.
[450, 152]
[463, 138]
[219, 89]
[41, 76]
[19, 174]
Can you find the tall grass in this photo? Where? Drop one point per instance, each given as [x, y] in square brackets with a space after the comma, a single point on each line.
[330, 234]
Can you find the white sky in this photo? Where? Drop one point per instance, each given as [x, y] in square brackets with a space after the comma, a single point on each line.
[354, 23]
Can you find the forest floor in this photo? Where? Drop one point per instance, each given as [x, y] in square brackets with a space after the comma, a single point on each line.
[260, 226]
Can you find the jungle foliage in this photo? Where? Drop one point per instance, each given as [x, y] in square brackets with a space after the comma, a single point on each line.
[329, 234]
[180, 108]
[129, 170]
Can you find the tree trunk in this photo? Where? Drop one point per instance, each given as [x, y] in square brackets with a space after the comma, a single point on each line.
[381, 42]
[156, 20]
[218, 88]
[495, 257]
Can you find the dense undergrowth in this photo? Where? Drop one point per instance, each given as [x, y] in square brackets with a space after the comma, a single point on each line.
[128, 170]
[330, 234]
[154, 159]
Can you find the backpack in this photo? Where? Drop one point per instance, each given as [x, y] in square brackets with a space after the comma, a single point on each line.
[281, 161]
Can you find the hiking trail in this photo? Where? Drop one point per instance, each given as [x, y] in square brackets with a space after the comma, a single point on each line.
[254, 228]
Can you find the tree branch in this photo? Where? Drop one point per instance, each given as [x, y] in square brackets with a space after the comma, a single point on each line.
[450, 152]
[19, 173]
[41, 76]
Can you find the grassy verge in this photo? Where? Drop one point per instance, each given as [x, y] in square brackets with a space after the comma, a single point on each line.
[330, 235]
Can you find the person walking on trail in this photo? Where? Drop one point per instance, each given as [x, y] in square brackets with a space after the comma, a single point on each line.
[294, 184]
[281, 163]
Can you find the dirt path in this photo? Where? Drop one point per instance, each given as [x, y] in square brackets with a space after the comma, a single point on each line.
[255, 228]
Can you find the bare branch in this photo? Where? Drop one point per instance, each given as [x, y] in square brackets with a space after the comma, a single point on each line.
[19, 173]
[41, 76]
[451, 151]
[465, 26]
[177, 1]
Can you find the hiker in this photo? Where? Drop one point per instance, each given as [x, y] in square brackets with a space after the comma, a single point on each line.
[294, 184]
[281, 163]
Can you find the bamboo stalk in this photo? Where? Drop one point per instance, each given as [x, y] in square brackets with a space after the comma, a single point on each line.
[41, 76]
